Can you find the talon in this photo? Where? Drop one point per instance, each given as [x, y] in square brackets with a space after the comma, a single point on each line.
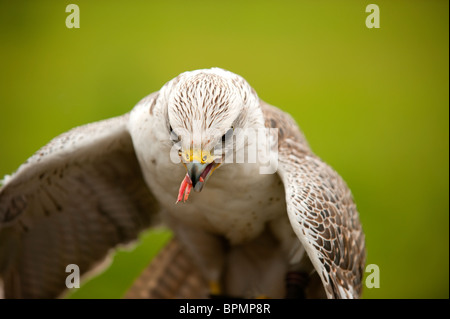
[214, 288]
[296, 283]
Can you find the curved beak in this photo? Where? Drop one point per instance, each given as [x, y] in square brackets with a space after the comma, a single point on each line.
[199, 166]
[198, 173]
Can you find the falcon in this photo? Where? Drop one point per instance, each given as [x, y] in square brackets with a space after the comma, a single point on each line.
[279, 225]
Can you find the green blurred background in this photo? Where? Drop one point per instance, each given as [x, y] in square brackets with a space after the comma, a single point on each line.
[373, 103]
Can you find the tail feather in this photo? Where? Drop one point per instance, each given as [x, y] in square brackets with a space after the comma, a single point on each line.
[171, 275]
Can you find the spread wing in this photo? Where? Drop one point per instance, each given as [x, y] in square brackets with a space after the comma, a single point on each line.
[71, 203]
[321, 210]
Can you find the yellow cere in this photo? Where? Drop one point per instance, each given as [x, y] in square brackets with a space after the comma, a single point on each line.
[197, 155]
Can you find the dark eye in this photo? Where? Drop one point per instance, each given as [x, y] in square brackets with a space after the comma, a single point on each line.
[227, 136]
[173, 136]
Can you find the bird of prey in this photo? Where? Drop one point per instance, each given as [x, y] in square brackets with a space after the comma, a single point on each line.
[245, 231]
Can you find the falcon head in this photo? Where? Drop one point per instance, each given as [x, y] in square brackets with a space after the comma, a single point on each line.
[204, 109]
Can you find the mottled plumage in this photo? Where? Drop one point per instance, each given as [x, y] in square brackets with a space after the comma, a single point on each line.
[100, 185]
[321, 210]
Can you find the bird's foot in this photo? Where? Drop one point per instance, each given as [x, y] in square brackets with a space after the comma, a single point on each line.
[214, 288]
[296, 283]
